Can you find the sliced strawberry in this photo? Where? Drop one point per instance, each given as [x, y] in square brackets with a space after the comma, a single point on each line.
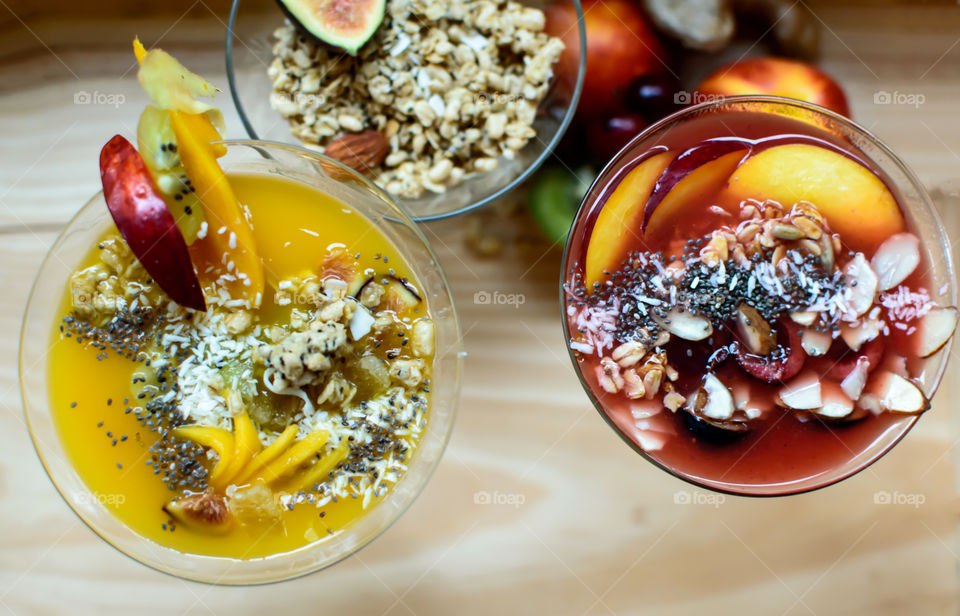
[776, 371]
[845, 360]
[146, 223]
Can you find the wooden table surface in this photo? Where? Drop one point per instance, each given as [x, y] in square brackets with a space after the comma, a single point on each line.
[593, 528]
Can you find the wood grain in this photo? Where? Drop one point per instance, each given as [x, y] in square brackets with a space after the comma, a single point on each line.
[598, 530]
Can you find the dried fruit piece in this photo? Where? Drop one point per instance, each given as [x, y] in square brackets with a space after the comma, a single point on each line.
[217, 439]
[362, 152]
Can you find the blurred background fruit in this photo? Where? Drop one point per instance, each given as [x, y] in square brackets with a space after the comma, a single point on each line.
[777, 76]
[647, 59]
[621, 45]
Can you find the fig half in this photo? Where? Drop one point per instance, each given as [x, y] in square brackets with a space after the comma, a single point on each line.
[347, 25]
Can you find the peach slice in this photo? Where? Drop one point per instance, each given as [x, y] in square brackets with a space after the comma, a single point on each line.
[688, 195]
[855, 202]
[621, 217]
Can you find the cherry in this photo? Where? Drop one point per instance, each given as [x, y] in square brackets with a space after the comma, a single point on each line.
[606, 137]
[776, 371]
[655, 96]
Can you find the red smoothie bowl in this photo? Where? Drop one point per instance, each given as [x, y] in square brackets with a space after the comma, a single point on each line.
[758, 296]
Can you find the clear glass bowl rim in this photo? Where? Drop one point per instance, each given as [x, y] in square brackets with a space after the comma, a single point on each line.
[509, 187]
[200, 561]
[925, 203]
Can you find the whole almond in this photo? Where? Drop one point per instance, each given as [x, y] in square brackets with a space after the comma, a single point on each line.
[362, 152]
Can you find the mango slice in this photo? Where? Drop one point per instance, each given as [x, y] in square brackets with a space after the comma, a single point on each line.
[229, 238]
[268, 455]
[246, 446]
[299, 453]
[319, 471]
[217, 439]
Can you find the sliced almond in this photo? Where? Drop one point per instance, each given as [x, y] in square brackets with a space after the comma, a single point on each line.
[719, 401]
[805, 318]
[935, 329]
[361, 322]
[686, 325]
[853, 383]
[754, 331]
[870, 403]
[835, 404]
[895, 260]
[815, 343]
[802, 393]
[857, 334]
[898, 394]
[861, 284]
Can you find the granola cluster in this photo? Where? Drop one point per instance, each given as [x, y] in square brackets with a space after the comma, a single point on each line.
[452, 85]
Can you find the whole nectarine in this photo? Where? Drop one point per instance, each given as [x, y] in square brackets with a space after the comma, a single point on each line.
[775, 76]
[621, 46]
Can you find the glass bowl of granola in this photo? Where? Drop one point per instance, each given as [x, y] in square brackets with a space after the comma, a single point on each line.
[245, 443]
[458, 100]
[759, 296]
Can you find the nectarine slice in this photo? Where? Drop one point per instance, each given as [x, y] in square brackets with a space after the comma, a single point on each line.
[621, 218]
[855, 202]
[689, 194]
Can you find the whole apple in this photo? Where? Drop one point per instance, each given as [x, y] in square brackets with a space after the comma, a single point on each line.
[621, 46]
[775, 76]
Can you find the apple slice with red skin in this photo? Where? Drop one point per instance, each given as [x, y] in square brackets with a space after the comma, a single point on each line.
[776, 371]
[145, 222]
[686, 183]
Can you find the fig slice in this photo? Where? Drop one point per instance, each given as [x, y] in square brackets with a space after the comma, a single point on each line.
[400, 295]
[145, 222]
[895, 259]
[936, 327]
[202, 511]
[347, 25]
